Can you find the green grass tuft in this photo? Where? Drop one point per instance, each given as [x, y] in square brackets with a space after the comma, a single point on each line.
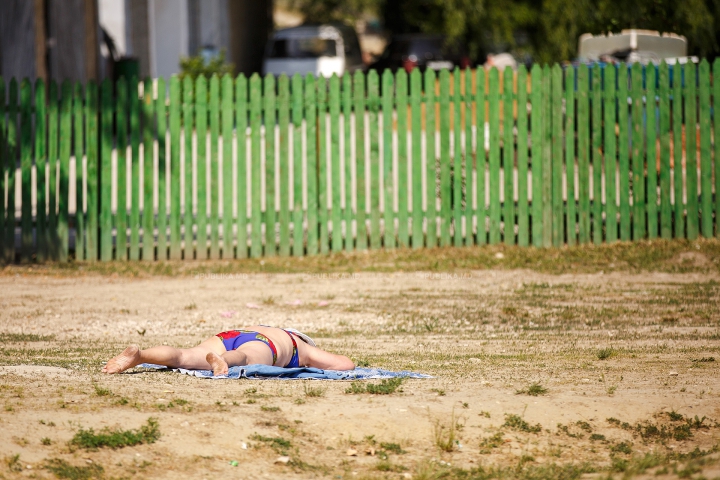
[516, 422]
[116, 438]
[534, 390]
[605, 353]
[63, 469]
[385, 387]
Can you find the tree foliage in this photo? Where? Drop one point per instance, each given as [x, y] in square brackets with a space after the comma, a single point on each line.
[547, 30]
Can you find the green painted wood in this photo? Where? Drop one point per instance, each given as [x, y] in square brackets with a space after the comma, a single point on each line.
[227, 121]
[610, 150]
[297, 182]
[359, 106]
[135, 135]
[53, 154]
[11, 166]
[480, 160]
[91, 149]
[445, 185]
[201, 118]
[347, 114]
[623, 152]
[121, 125]
[214, 111]
[691, 160]
[105, 170]
[79, 142]
[270, 120]
[716, 135]
[468, 157]
[583, 103]
[175, 109]
[547, 158]
[677, 125]
[42, 233]
[401, 99]
[241, 122]
[312, 164]
[148, 215]
[188, 127]
[322, 186]
[597, 157]
[256, 247]
[665, 181]
[416, 165]
[638, 157]
[651, 149]
[431, 173]
[162, 221]
[571, 208]
[706, 223]
[388, 89]
[63, 225]
[457, 171]
[508, 159]
[335, 165]
[3, 167]
[284, 172]
[523, 218]
[536, 130]
[26, 236]
[494, 160]
[373, 125]
[558, 225]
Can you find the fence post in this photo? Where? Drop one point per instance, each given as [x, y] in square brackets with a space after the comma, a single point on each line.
[26, 240]
[121, 212]
[241, 119]
[373, 125]
[597, 157]
[623, 153]
[161, 110]
[444, 158]
[401, 89]
[135, 136]
[705, 155]
[215, 167]
[41, 231]
[508, 157]
[297, 118]
[522, 158]
[201, 115]
[665, 187]
[79, 119]
[638, 158]
[52, 125]
[284, 122]
[457, 176]
[347, 157]
[571, 216]
[270, 118]
[651, 150]
[63, 227]
[335, 165]
[175, 108]
[480, 157]
[105, 170]
[323, 164]
[494, 160]
[691, 160]
[91, 139]
[558, 224]
[547, 159]
[416, 173]
[388, 89]
[536, 128]
[189, 132]
[312, 164]
[716, 136]
[677, 124]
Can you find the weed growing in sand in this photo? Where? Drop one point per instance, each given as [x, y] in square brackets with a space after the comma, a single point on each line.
[516, 422]
[269, 300]
[534, 390]
[314, 391]
[392, 448]
[191, 306]
[46, 441]
[117, 438]
[265, 408]
[13, 463]
[63, 469]
[622, 447]
[24, 337]
[605, 353]
[101, 391]
[279, 444]
[487, 444]
[385, 387]
[445, 434]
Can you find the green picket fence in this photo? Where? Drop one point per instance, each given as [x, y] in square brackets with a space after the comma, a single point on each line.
[238, 167]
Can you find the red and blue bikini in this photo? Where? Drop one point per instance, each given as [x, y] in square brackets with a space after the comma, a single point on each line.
[233, 339]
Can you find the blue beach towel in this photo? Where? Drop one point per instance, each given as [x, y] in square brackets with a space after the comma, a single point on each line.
[260, 372]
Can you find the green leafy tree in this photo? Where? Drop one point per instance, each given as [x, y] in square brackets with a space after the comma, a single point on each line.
[196, 66]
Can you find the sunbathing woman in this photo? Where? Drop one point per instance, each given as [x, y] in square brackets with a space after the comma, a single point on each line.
[253, 345]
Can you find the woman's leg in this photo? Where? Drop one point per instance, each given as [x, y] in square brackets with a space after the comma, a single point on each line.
[191, 358]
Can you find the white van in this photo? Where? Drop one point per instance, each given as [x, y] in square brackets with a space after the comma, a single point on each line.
[317, 49]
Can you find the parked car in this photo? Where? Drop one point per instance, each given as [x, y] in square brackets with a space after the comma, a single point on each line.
[631, 46]
[421, 51]
[317, 49]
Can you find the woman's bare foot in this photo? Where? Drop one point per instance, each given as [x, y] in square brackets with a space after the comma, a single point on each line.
[217, 363]
[127, 359]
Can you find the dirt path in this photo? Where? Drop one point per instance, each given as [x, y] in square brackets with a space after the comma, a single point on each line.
[640, 349]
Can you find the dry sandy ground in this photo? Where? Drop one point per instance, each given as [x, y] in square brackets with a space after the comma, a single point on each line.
[483, 335]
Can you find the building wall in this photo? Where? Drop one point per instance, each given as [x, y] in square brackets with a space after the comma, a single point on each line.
[168, 36]
[17, 39]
